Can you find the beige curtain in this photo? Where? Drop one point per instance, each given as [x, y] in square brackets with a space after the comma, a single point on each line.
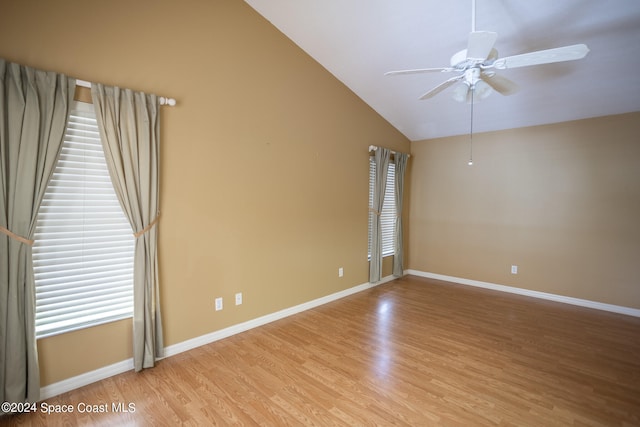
[381, 159]
[34, 108]
[129, 125]
[400, 163]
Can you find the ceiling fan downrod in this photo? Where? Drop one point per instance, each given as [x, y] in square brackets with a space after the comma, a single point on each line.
[473, 16]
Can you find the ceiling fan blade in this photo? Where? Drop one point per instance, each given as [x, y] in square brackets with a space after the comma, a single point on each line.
[442, 86]
[418, 71]
[559, 54]
[480, 44]
[500, 84]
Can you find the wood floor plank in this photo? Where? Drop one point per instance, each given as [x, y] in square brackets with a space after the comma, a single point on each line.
[410, 352]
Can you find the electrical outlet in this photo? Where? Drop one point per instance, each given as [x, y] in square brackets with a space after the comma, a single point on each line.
[218, 304]
[340, 272]
[514, 269]
[239, 298]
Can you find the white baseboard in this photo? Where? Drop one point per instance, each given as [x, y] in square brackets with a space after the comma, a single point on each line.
[263, 320]
[535, 294]
[72, 383]
[87, 378]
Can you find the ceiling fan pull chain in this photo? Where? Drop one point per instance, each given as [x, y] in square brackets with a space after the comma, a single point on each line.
[470, 163]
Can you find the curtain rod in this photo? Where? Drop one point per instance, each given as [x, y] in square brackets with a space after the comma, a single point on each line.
[163, 100]
[374, 148]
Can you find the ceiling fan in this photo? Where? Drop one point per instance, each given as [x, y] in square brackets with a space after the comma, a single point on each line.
[475, 66]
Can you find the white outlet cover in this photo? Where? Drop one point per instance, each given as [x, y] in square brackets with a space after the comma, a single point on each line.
[239, 298]
[514, 269]
[218, 304]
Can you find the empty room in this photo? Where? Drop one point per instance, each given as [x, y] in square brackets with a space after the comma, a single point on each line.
[271, 212]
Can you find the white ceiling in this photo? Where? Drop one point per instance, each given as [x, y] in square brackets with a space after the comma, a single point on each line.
[359, 40]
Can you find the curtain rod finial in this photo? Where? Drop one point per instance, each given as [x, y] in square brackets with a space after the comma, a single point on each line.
[167, 101]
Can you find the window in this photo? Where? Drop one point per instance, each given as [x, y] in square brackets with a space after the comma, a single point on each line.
[83, 255]
[388, 214]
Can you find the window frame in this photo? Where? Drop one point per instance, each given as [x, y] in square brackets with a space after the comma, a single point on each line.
[388, 215]
[93, 283]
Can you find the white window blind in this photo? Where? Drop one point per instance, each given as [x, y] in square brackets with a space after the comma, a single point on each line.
[388, 213]
[83, 251]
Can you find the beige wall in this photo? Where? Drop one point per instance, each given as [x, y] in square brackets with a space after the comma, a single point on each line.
[264, 160]
[560, 201]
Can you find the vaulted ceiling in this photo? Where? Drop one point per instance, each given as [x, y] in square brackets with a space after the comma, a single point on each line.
[359, 40]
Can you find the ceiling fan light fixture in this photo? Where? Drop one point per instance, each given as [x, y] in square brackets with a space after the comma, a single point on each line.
[481, 90]
[462, 92]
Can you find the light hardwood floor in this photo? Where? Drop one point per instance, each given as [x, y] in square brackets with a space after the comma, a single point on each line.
[414, 351]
